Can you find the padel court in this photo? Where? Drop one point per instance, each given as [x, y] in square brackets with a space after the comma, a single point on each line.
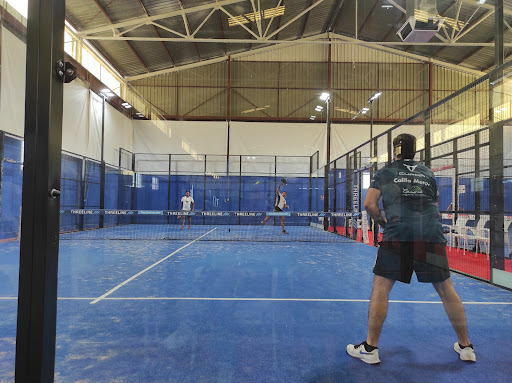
[191, 190]
[185, 311]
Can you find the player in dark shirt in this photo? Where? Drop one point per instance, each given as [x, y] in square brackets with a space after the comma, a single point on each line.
[413, 240]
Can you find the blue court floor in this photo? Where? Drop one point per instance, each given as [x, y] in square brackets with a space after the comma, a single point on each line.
[219, 311]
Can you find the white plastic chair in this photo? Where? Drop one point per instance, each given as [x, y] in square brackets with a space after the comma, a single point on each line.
[507, 222]
[448, 227]
[461, 232]
[482, 232]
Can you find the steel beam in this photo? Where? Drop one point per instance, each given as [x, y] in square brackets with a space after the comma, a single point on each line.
[147, 20]
[496, 151]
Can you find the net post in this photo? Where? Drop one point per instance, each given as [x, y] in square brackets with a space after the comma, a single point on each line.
[204, 185]
[348, 194]
[239, 189]
[496, 173]
[335, 199]
[169, 188]
[355, 197]
[81, 204]
[326, 195]
[427, 150]
[275, 182]
[477, 177]
[134, 184]
[102, 191]
[455, 204]
[375, 226]
[2, 140]
[390, 147]
[310, 193]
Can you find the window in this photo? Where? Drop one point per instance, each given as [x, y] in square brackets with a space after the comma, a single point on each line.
[20, 5]
[98, 70]
[69, 45]
[91, 64]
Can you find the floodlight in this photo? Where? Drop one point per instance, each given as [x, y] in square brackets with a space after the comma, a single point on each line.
[325, 96]
[374, 97]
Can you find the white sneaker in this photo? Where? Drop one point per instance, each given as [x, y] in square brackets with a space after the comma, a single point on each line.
[359, 352]
[467, 353]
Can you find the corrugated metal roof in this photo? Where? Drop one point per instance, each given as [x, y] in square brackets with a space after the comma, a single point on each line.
[374, 23]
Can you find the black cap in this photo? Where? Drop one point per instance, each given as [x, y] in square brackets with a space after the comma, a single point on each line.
[405, 146]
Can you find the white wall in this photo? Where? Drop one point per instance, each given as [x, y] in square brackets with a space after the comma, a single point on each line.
[12, 97]
[75, 120]
[180, 137]
[118, 134]
[249, 138]
[345, 137]
[278, 139]
[81, 127]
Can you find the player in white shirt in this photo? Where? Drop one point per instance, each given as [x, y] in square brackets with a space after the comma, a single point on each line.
[280, 205]
[187, 204]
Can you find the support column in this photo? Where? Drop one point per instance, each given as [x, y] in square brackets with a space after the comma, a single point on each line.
[2, 139]
[499, 26]
[103, 167]
[496, 189]
[428, 151]
[169, 206]
[39, 247]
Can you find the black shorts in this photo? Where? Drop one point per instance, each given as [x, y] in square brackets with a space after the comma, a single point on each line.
[277, 209]
[396, 261]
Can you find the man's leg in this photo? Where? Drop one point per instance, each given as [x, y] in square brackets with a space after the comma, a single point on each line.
[368, 351]
[378, 308]
[454, 309]
[182, 221]
[189, 221]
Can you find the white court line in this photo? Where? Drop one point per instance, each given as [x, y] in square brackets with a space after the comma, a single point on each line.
[146, 269]
[255, 299]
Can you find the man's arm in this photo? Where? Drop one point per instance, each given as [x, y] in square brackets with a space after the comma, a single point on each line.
[279, 187]
[371, 205]
[181, 204]
[193, 205]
